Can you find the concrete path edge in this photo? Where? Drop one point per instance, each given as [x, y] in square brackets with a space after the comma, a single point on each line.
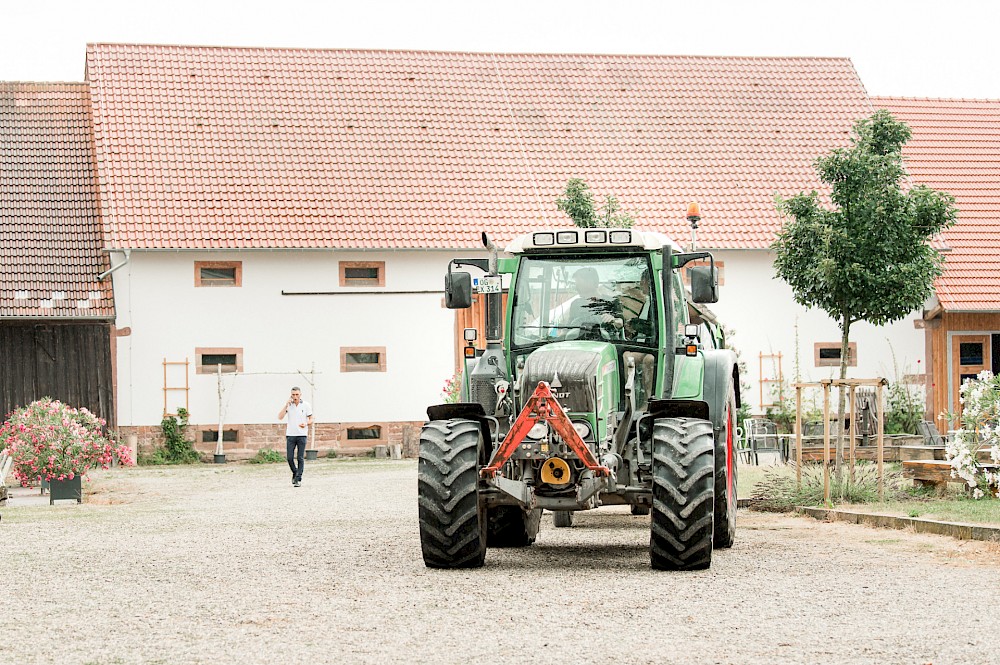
[958, 530]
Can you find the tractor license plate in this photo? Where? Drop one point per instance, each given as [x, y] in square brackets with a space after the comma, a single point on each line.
[490, 284]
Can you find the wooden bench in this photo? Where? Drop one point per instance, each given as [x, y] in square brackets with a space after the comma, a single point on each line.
[933, 473]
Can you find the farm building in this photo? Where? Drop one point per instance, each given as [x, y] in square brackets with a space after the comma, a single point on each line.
[956, 148]
[56, 314]
[281, 211]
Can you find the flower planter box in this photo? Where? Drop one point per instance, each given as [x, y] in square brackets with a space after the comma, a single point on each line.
[66, 489]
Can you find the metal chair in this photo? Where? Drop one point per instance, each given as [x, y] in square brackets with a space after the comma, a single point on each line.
[762, 437]
[743, 450]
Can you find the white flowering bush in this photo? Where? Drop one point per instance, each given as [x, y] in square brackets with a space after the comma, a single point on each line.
[980, 430]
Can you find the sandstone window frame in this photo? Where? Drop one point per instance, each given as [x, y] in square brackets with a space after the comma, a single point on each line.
[227, 368]
[348, 364]
[201, 282]
[371, 282]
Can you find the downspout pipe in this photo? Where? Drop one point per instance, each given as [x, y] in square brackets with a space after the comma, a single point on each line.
[128, 253]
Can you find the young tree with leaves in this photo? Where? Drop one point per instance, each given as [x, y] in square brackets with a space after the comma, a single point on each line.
[578, 202]
[866, 258]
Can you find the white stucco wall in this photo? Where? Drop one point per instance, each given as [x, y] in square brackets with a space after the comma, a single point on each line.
[762, 311]
[169, 318]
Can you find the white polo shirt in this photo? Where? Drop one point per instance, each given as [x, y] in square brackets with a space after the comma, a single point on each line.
[297, 415]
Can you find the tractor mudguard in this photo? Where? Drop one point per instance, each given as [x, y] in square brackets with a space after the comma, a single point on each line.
[467, 410]
[678, 408]
[721, 372]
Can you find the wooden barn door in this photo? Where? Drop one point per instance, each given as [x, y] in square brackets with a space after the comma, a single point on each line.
[970, 355]
[67, 362]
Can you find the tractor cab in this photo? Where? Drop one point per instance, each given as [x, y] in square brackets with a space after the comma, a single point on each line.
[598, 285]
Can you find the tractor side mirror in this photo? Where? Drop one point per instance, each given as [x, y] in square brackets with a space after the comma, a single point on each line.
[457, 290]
[704, 284]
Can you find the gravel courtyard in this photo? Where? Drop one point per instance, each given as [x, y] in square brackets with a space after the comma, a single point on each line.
[231, 564]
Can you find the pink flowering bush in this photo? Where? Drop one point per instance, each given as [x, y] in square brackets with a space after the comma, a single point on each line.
[48, 439]
[452, 388]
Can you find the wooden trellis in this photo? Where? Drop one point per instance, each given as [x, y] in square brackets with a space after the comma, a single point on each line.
[852, 385]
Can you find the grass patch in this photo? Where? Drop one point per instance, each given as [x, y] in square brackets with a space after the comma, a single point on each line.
[267, 456]
[949, 508]
[748, 476]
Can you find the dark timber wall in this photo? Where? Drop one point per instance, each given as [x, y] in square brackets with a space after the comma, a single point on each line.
[70, 362]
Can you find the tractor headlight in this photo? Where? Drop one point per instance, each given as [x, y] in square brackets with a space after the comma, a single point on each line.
[582, 428]
[538, 431]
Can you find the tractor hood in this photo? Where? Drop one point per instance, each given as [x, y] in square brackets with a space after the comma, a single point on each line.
[581, 374]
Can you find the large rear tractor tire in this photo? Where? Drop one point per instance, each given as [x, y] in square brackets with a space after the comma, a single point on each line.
[562, 519]
[681, 525]
[452, 518]
[725, 477]
[512, 526]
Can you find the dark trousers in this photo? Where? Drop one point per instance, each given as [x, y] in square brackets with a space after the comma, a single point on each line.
[293, 443]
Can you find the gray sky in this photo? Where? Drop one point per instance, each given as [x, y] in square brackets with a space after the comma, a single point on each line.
[914, 48]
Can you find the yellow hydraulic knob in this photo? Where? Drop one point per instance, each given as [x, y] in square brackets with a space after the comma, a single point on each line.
[555, 471]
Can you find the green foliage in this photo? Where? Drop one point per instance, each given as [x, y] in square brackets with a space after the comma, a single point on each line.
[577, 201]
[782, 412]
[176, 448]
[332, 454]
[267, 456]
[868, 257]
[903, 409]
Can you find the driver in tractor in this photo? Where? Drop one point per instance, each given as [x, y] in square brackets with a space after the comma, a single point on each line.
[588, 309]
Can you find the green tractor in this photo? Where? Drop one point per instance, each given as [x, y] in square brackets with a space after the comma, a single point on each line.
[601, 391]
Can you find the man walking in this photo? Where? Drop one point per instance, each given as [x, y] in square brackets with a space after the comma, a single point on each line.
[300, 419]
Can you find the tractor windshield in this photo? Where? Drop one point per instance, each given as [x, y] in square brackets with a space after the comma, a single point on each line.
[595, 298]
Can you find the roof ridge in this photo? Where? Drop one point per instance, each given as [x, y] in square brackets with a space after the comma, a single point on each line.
[299, 49]
[47, 83]
[986, 100]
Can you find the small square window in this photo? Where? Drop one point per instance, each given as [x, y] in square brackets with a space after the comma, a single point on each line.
[372, 432]
[362, 359]
[210, 359]
[827, 354]
[362, 273]
[970, 353]
[218, 273]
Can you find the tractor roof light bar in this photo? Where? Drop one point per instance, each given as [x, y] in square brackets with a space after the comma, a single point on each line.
[542, 407]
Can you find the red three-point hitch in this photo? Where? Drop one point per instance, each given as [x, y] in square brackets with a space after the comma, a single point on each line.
[542, 406]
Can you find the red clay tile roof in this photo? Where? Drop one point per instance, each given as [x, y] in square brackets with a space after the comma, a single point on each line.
[956, 148]
[255, 147]
[51, 249]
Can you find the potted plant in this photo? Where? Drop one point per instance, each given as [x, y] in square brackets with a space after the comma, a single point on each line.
[53, 442]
